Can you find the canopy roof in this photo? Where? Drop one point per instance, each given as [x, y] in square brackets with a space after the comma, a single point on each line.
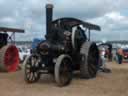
[6, 29]
[75, 22]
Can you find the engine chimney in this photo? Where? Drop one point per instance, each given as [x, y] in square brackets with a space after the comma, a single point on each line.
[49, 14]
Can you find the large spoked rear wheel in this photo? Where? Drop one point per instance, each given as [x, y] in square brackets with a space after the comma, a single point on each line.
[63, 70]
[32, 69]
[89, 60]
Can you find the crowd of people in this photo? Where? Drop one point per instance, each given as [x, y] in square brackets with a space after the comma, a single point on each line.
[107, 55]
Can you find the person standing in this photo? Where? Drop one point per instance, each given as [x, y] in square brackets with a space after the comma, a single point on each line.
[103, 67]
[103, 59]
[120, 55]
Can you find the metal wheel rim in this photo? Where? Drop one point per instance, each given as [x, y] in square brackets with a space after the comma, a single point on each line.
[31, 69]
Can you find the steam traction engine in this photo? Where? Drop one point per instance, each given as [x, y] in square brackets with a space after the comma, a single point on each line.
[9, 57]
[65, 50]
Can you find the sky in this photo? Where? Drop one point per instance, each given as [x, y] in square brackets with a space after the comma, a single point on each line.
[110, 15]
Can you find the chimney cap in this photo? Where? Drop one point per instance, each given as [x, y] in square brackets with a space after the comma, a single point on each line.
[49, 5]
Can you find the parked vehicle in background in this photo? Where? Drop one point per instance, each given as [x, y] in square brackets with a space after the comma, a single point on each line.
[125, 53]
[9, 57]
[23, 52]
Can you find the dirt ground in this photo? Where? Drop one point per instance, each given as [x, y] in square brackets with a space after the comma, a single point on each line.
[105, 84]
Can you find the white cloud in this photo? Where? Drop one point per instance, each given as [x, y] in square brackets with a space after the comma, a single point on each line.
[30, 15]
[7, 20]
[113, 25]
[115, 16]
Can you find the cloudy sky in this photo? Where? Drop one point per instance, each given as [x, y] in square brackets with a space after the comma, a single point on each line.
[111, 15]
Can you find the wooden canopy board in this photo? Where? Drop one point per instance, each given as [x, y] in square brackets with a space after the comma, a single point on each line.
[15, 30]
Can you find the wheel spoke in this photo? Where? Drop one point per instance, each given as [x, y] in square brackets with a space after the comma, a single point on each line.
[63, 79]
[28, 71]
[37, 63]
[28, 75]
[64, 73]
[28, 65]
[32, 61]
[35, 74]
[31, 76]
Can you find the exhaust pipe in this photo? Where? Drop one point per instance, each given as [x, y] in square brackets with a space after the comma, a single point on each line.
[49, 14]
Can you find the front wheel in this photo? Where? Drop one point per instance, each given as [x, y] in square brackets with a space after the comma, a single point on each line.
[31, 69]
[63, 70]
